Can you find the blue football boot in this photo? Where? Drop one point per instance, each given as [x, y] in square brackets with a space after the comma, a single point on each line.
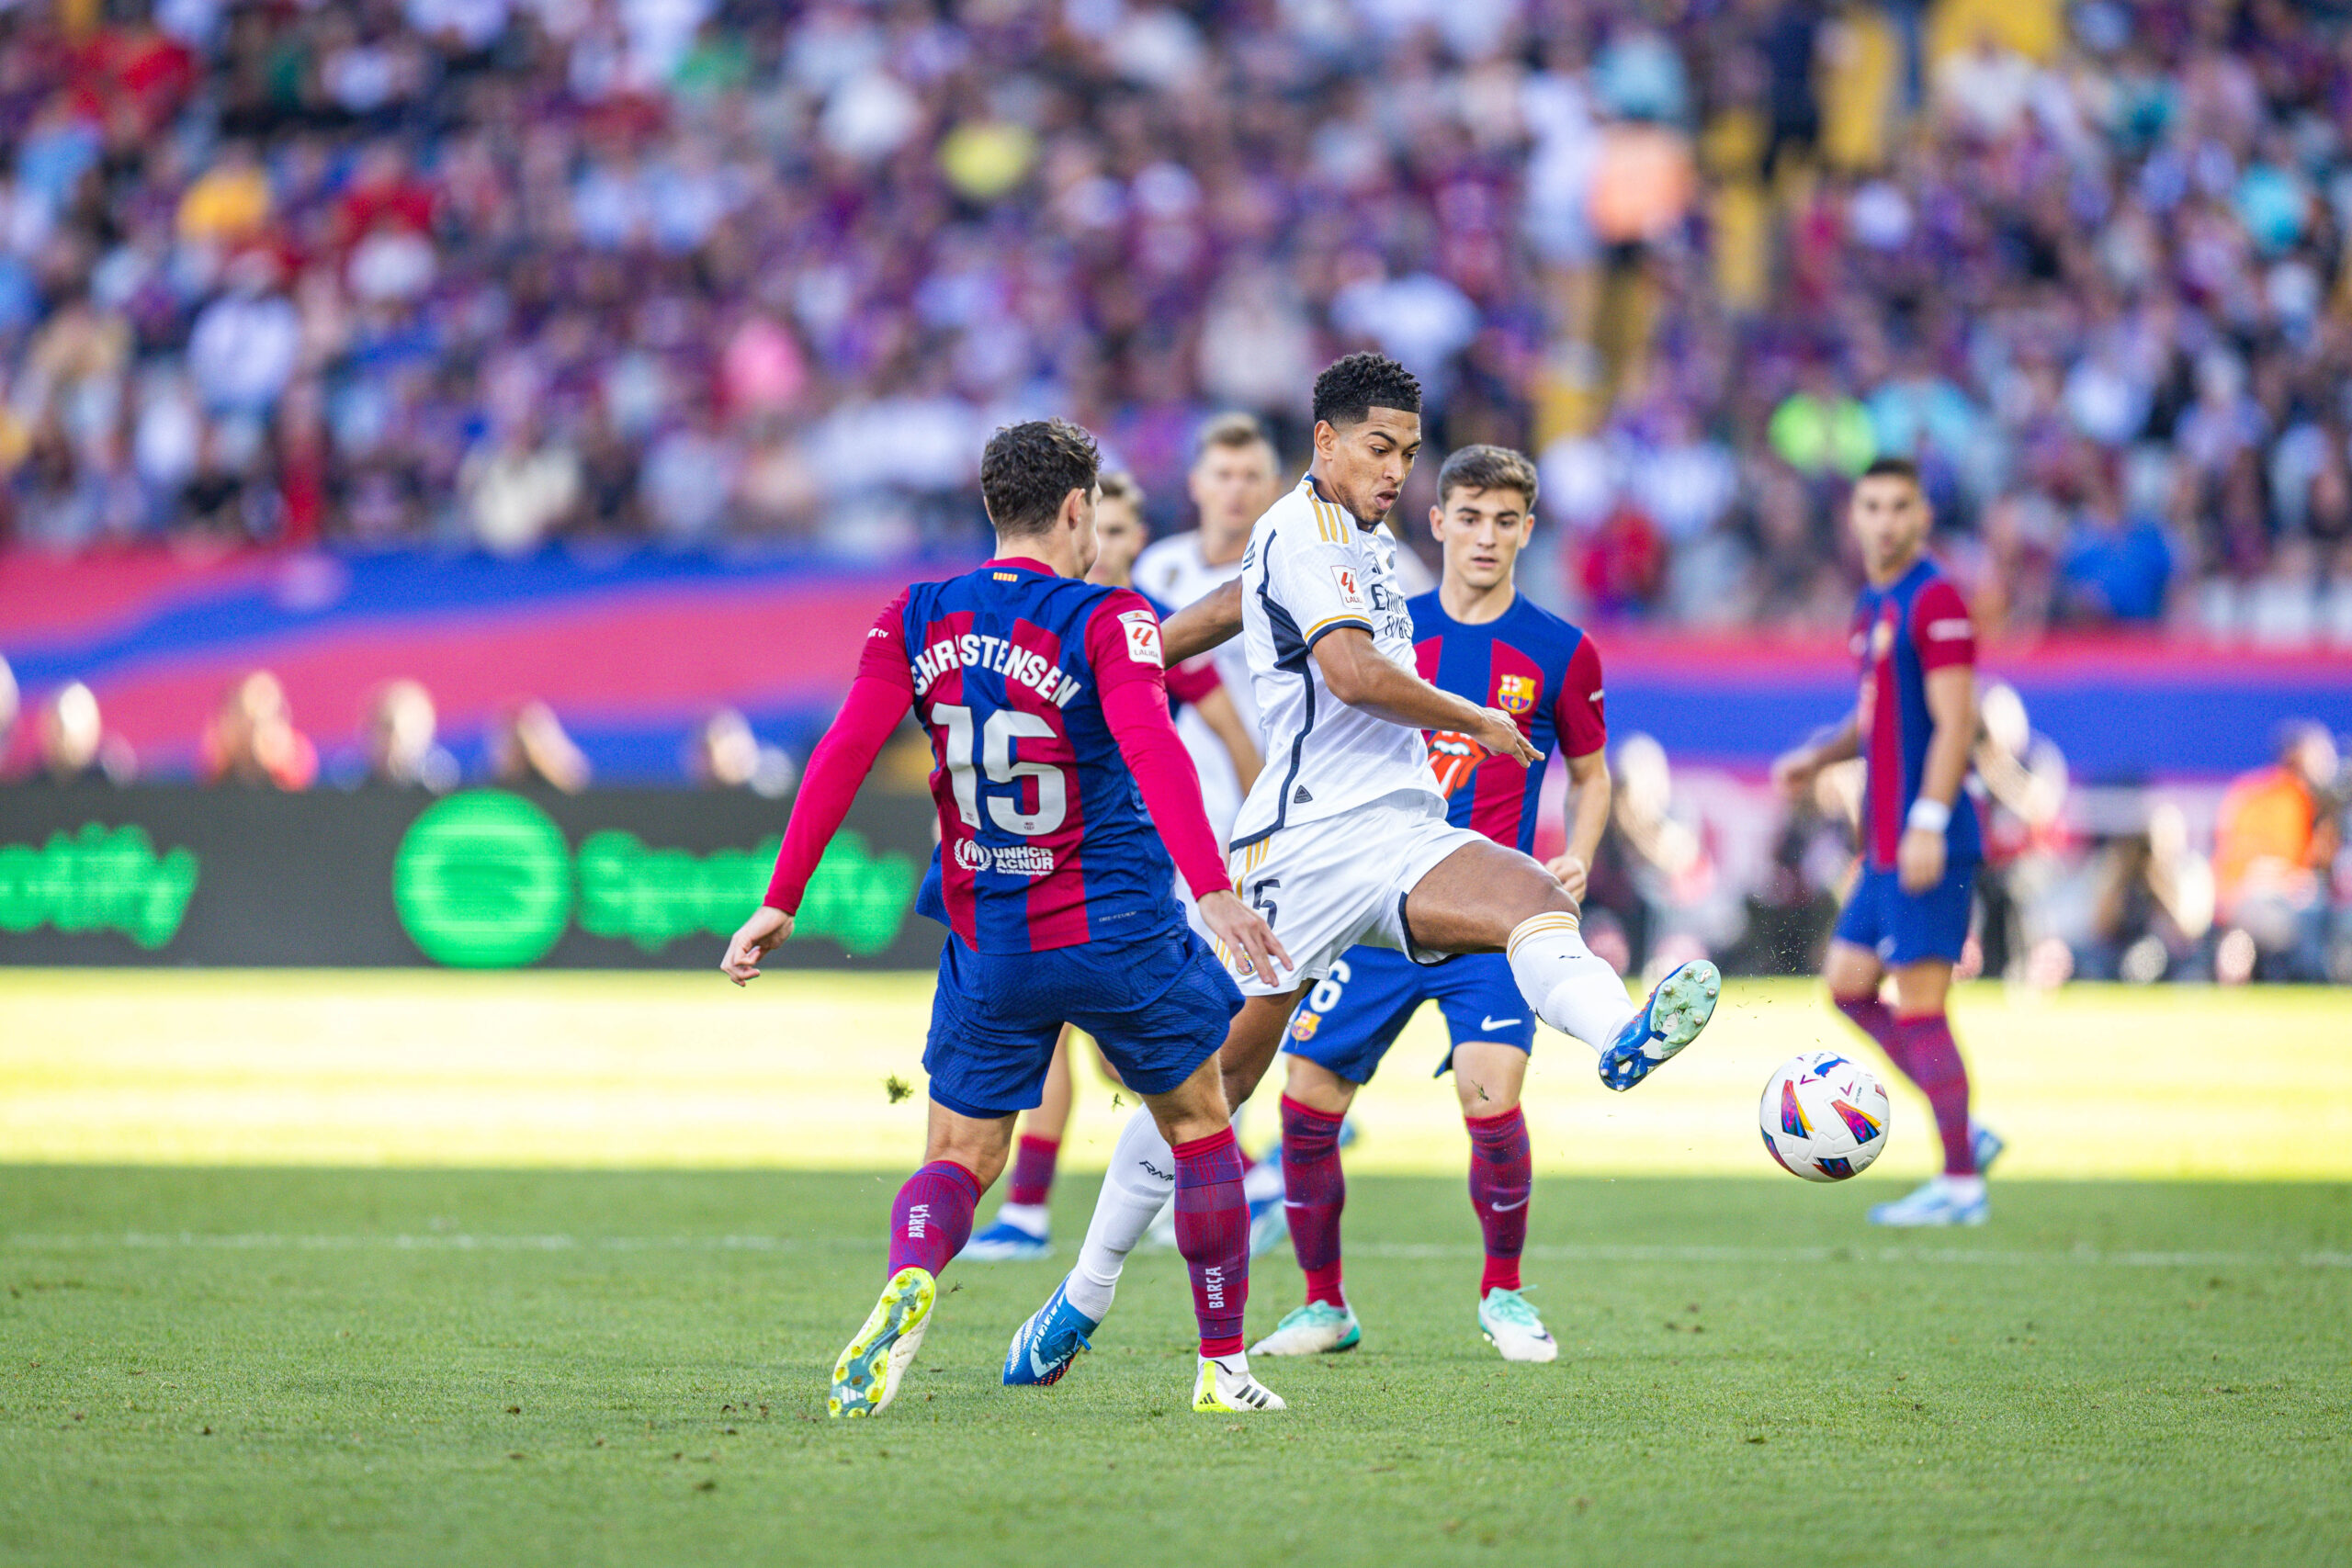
[1044, 1348]
[1678, 1010]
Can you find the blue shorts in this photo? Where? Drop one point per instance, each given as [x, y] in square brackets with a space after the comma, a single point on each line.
[1904, 927]
[1158, 1006]
[1351, 1017]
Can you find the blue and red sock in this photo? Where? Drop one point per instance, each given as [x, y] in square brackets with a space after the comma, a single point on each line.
[1213, 1233]
[933, 1217]
[1032, 1171]
[1502, 1176]
[1931, 1058]
[1315, 1189]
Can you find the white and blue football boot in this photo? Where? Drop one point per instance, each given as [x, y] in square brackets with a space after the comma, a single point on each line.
[1318, 1328]
[1985, 1144]
[1509, 1321]
[1943, 1200]
[1677, 1009]
[1019, 1236]
[1044, 1348]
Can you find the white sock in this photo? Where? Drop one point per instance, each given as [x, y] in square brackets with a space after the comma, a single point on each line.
[1962, 1188]
[1138, 1184]
[1569, 988]
[1030, 1217]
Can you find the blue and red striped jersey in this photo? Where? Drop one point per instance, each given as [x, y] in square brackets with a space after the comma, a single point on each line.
[1533, 665]
[1916, 625]
[1043, 839]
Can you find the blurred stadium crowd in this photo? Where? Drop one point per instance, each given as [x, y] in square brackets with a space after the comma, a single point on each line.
[496, 271]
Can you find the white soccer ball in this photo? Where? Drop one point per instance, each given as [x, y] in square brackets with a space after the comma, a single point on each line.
[1823, 1117]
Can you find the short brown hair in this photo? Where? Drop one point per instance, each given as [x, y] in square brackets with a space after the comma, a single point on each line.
[1120, 485]
[1890, 469]
[1487, 468]
[1236, 430]
[1029, 468]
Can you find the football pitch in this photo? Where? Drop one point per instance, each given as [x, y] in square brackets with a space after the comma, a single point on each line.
[250, 1316]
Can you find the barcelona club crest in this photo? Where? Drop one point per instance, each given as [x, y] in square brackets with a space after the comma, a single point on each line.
[1515, 694]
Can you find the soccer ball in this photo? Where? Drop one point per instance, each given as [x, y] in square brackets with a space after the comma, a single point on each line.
[1824, 1117]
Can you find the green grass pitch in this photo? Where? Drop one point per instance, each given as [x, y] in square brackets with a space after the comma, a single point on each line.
[296, 1366]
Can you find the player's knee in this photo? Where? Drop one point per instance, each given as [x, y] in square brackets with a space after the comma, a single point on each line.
[1318, 1087]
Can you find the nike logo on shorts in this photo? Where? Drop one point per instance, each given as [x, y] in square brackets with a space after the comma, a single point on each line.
[1498, 1023]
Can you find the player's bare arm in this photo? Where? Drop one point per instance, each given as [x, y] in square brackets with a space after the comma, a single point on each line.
[1587, 817]
[1359, 675]
[1217, 711]
[1794, 771]
[1951, 704]
[1207, 623]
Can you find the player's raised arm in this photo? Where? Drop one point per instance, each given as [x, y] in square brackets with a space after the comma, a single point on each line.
[1122, 646]
[878, 698]
[1210, 621]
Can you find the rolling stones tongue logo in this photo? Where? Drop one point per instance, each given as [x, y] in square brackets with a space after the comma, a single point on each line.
[1453, 757]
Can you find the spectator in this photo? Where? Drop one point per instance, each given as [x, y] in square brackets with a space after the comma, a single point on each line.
[399, 741]
[723, 753]
[75, 745]
[530, 747]
[2275, 841]
[252, 739]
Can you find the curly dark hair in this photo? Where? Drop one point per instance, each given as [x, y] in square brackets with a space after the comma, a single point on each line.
[1028, 467]
[1349, 388]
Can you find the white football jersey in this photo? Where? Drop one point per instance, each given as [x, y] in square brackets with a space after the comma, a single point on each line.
[1175, 572]
[1312, 568]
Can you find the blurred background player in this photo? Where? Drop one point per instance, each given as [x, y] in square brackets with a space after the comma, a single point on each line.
[1021, 1229]
[1047, 710]
[1907, 916]
[1479, 637]
[1236, 475]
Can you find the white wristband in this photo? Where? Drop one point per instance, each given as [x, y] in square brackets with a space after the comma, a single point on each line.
[1932, 815]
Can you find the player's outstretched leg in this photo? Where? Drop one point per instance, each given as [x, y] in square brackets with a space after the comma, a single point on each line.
[1315, 1190]
[1137, 1186]
[929, 1224]
[1578, 993]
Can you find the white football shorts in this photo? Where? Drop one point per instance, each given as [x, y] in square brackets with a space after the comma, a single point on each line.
[1326, 886]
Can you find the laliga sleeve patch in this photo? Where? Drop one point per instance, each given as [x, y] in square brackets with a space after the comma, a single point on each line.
[1351, 590]
[1143, 636]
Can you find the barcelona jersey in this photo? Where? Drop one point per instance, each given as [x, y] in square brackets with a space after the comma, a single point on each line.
[1535, 666]
[1903, 633]
[1043, 839]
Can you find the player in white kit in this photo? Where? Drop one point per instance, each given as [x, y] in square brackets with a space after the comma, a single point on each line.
[1344, 838]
